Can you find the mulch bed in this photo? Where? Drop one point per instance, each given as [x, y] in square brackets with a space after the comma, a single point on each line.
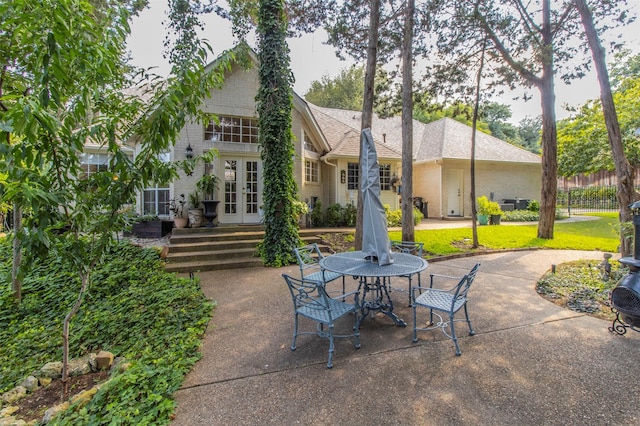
[34, 405]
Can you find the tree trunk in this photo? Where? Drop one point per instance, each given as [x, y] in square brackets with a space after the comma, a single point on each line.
[367, 103]
[624, 172]
[16, 283]
[549, 132]
[476, 107]
[407, 124]
[65, 334]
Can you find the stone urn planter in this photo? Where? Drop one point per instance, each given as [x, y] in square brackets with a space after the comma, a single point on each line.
[210, 212]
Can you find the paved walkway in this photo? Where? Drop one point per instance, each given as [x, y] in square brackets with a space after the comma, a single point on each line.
[530, 362]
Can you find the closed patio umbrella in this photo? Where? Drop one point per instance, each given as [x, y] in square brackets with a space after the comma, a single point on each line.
[375, 237]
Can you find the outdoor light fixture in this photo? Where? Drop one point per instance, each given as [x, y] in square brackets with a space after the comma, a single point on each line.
[394, 180]
[188, 152]
[343, 176]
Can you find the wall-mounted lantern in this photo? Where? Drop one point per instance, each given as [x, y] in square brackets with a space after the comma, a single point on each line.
[188, 152]
[343, 176]
[394, 181]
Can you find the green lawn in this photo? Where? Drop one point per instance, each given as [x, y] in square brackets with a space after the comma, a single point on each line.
[600, 234]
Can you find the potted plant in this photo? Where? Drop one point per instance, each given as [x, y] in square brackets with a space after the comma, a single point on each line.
[177, 208]
[299, 209]
[207, 185]
[195, 211]
[488, 209]
[482, 204]
[495, 213]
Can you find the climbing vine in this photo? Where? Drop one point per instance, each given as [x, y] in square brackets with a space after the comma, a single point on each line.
[274, 121]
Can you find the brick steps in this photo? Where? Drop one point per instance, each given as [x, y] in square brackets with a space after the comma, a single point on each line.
[224, 247]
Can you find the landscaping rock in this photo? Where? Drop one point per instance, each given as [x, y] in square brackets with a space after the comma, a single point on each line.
[120, 365]
[30, 383]
[84, 397]
[8, 411]
[44, 381]
[104, 359]
[12, 421]
[52, 370]
[51, 412]
[92, 362]
[79, 366]
[14, 394]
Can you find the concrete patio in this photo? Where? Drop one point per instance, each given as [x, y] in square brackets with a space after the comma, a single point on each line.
[530, 362]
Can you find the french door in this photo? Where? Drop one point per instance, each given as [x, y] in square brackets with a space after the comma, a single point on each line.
[241, 186]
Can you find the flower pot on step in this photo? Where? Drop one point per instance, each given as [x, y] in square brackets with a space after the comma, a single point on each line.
[181, 222]
[196, 218]
[210, 212]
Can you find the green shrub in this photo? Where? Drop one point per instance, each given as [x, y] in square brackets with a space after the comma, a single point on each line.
[487, 207]
[520, 216]
[316, 215]
[417, 216]
[394, 217]
[350, 215]
[533, 206]
[335, 216]
[527, 216]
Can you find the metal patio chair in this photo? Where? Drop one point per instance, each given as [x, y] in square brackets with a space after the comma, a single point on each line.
[311, 301]
[308, 259]
[409, 247]
[447, 302]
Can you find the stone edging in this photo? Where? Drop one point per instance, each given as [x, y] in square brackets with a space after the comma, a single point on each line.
[91, 363]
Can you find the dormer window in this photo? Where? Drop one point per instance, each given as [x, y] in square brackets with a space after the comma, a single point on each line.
[308, 144]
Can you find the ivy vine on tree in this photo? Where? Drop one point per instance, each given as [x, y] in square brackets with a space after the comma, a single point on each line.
[274, 101]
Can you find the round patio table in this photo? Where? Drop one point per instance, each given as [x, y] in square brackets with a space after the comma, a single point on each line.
[373, 276]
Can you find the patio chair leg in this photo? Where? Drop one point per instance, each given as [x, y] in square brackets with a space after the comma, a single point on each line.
[295, 332]
[415, 330]
[331, 348]
[466, 314]
[453, 336]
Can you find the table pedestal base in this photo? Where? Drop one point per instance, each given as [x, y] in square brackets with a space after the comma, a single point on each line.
[378, 300]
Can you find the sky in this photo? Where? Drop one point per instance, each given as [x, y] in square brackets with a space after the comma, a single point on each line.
[312, 58]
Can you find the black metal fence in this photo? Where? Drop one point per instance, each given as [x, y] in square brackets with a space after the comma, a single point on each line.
[585, 200]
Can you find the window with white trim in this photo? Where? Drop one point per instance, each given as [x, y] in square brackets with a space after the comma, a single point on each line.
[311, 171]
[385, 177]
[353, 174]
[156, 199]
[232, 129]
[91, 163]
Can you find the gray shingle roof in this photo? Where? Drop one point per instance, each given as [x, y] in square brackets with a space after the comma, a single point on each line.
[441, 139]
[344, 138]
